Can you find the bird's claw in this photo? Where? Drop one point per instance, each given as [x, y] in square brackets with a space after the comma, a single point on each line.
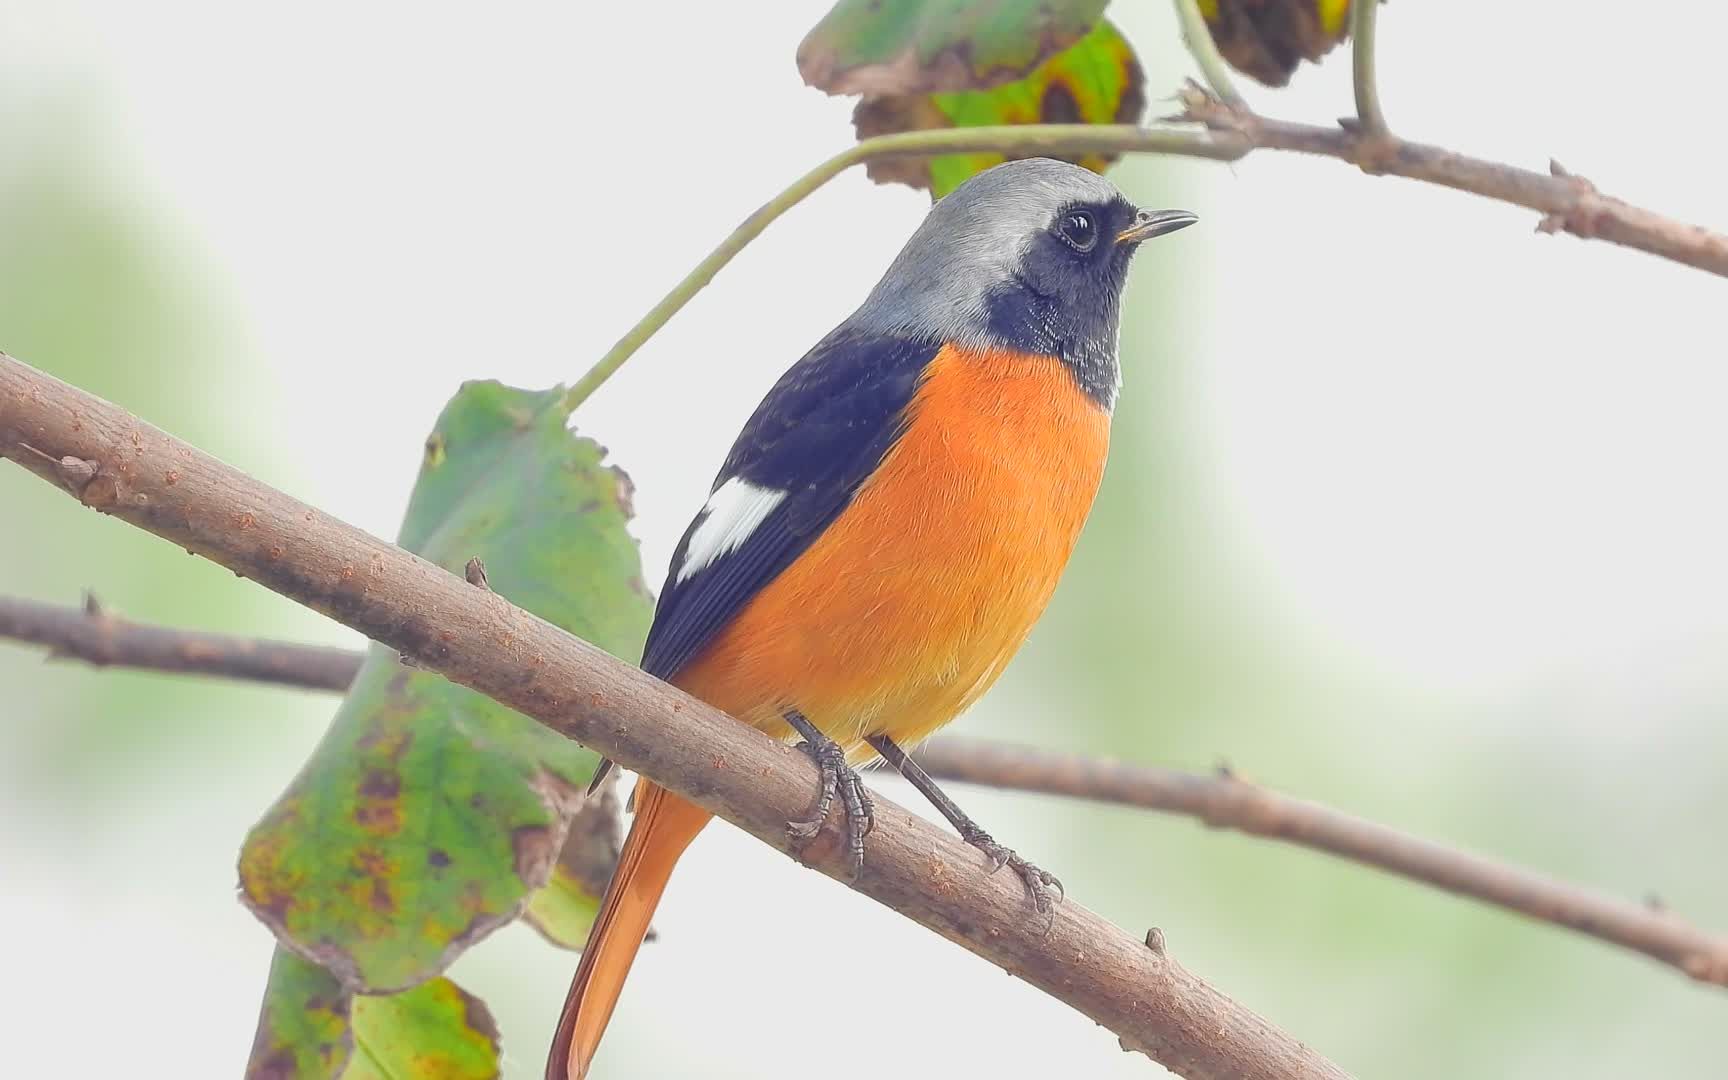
[1038, 881]
[839, 780]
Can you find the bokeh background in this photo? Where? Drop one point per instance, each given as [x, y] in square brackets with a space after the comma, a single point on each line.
[1411, 512]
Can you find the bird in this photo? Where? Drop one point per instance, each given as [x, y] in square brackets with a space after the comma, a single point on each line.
[890, 524]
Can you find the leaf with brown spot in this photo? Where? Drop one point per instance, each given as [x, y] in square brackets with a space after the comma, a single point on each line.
[879, 47]
[1096, 81]
[1267, 39]
[436, 1031]
[429, 813]
[303, 1030]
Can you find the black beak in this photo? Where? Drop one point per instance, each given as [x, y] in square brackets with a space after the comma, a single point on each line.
[1150, 223]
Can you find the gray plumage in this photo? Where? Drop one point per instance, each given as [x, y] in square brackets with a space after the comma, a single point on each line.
[990, 268]
[970, 243]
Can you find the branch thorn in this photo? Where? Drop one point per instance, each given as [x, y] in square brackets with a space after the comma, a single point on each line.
[77, 472]
[475, 574]
[1155, 940]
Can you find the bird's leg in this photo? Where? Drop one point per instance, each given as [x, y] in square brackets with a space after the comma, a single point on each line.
[1038, 882]
[838, 779]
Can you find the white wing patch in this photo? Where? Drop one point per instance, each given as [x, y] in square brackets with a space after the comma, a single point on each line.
[734, 511]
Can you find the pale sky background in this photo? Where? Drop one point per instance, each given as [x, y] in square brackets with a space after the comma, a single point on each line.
[1458, 458]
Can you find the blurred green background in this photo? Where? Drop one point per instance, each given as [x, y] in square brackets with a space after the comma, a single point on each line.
[288, 245]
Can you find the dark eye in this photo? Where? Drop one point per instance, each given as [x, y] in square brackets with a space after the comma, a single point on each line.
[1080, 229]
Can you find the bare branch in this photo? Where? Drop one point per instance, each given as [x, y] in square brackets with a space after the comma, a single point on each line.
[97, 637]
[1568, 203]
[477, 638]
[1228, 802]
[1224, 801]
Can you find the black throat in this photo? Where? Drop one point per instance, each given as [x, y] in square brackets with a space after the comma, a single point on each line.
[1082, 336]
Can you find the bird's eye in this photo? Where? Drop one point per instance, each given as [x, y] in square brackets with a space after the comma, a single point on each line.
[1079, 229]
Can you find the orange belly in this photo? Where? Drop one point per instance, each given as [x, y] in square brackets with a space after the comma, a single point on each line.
[910, 604]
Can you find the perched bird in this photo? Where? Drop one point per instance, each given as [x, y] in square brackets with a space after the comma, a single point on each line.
[891, 522]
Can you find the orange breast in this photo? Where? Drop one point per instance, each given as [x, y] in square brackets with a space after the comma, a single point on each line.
[910, 604]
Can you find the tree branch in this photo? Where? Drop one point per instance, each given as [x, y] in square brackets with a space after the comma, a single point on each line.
[112, 462]
[103, 639]
[1224, 801]
[1569, 203]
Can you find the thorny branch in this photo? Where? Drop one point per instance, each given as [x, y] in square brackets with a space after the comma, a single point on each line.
[1223, 801]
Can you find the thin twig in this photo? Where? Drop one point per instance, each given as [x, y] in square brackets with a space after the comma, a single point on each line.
[98, 637]
[1026, 139]
[1223, 801]
[479, 639]
[1369, 117]
[1198, 37]
[1569, 203]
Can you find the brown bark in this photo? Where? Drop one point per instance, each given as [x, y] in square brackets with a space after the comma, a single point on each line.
[1222, 801]
[113, 462]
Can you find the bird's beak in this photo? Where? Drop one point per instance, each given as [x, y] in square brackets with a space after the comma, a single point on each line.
[1150, 223]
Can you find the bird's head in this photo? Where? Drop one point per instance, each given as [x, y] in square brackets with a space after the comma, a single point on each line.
[1029, 256]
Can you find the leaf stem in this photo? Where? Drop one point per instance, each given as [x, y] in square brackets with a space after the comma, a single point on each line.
[1010, 139]
[1198, 37]
[1368, 112]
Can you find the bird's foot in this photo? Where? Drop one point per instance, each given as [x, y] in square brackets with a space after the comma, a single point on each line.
[1040, 883]
[839, 780]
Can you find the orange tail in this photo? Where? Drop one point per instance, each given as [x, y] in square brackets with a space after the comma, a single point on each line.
[664, 826]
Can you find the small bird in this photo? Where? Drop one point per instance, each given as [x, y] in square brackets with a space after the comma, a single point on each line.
[890, 523]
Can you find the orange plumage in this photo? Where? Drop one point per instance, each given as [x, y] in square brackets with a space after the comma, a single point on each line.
[894, 620]
[908, 606]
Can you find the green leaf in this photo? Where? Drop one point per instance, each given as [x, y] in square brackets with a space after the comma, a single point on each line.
[436, 1031]
[1096, 81]
[878, 47]
[1267, 39]
[564, 910]
[428, 813]
[303, 1031]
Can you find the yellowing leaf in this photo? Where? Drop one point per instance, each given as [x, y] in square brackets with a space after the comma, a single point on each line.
[1096, 81]
[429, 813]
[303, 1030]
[1267, 39]
[877, 47]
[436, 1031]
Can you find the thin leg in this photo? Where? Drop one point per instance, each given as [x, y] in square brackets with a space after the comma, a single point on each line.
[838, 780]
[1038, 882]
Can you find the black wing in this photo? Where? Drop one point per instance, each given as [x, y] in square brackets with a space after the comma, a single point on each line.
[818, 434]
